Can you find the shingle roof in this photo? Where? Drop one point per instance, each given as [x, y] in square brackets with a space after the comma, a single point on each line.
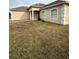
[23, 8]
[38, 5]
[55, 3]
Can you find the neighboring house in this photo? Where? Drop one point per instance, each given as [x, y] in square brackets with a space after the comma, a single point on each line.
[57, 12]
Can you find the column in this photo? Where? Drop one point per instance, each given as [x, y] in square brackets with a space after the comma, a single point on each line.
[32, 15]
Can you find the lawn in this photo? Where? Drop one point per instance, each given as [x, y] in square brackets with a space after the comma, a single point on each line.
[38, 40]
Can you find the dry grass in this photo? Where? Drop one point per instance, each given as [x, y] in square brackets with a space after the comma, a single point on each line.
[38, 40]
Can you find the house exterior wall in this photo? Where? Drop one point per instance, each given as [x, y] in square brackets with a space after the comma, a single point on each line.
[66, 15]
[45, 15]
[20, 15]
[34, 9]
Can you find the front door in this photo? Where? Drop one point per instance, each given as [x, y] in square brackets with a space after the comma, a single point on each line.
[36, 15]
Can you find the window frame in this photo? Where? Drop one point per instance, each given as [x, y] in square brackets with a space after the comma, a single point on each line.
[55, 17]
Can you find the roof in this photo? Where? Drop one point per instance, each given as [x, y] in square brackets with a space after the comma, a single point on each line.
[38, 5]
[55, 3]
[23, 8]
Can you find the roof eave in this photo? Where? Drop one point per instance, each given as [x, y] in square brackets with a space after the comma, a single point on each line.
[45, 7]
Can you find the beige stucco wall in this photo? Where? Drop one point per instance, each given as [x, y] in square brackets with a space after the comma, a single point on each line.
[66, 16]
[47, 15]
[20, 15]
[34, 9]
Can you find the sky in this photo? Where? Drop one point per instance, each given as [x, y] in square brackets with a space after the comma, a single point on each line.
[17, 3]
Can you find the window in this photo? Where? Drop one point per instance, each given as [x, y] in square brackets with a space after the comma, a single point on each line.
[54, 13]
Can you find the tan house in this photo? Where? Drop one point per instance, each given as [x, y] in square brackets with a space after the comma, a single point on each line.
[56, 12]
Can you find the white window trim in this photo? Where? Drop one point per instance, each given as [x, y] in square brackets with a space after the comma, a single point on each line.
[57, 14]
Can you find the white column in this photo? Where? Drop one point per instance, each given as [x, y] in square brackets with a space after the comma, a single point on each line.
[32, 15]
